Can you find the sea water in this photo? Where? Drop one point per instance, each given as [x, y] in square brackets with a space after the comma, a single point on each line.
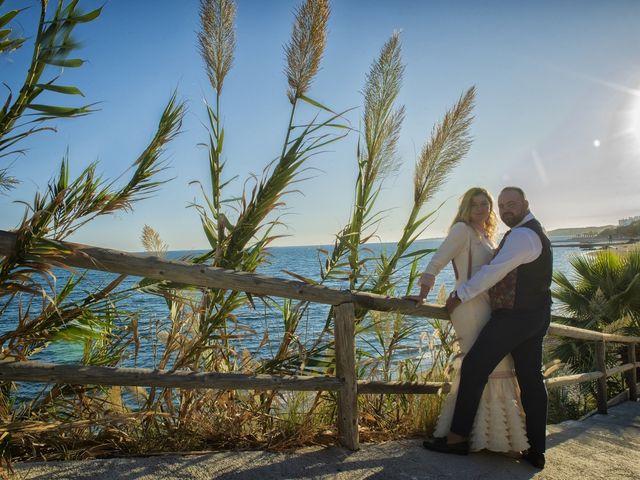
[265, 320]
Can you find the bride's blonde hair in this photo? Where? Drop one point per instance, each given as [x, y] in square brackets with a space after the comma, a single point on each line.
[464, 211]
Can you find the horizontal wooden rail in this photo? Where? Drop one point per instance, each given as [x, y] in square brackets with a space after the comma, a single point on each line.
[620, 369]
[560, 330]
[572, 379]
[31, 371]
[95, 258]
[587, 377]
[34, 371]
[368, 386]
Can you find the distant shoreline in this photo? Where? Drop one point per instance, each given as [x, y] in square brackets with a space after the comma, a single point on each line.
[625, 248]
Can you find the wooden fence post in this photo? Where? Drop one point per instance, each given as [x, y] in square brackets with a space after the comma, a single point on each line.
[601, 392]
[632, 375]
[345, 331]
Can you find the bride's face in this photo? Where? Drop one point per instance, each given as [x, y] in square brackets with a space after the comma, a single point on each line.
[480, 209]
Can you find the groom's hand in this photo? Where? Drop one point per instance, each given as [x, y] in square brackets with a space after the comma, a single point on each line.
[452, 302]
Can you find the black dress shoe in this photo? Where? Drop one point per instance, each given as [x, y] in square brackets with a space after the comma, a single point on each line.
[534, 458]
[439, 444]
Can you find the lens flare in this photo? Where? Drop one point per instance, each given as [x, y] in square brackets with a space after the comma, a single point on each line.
[634, 120]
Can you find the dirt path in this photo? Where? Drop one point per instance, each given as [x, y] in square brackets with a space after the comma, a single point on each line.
[600, 447]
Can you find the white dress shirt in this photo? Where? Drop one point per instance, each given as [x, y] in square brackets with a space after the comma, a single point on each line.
[521, 246]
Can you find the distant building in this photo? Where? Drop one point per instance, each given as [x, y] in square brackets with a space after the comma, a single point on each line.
[628, 221]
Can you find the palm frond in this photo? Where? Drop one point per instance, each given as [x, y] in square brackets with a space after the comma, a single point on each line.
[600, 294]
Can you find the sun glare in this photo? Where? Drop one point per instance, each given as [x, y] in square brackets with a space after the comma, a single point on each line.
[630, 121]
[596, 143]
[634, 123]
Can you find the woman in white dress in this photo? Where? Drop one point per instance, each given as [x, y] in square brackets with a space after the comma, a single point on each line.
[499, 423]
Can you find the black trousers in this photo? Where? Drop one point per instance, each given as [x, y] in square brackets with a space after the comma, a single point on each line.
[519, 333]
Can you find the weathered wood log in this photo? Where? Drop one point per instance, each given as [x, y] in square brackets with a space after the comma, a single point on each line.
[556, 382]
[623, 396]
[95, 258]
[345, 332]
[612, 402]
[31, 371]
[620, 369]
[582, 334]
[632, 375]
[601, 389]
[34, 371]
[374, 387]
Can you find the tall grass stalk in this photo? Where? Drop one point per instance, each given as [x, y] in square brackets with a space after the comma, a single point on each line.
[202, 330]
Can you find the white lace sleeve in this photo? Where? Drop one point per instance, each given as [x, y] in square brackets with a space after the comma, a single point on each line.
[456, 241]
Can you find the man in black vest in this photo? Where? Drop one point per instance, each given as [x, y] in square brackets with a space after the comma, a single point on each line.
[519, 280]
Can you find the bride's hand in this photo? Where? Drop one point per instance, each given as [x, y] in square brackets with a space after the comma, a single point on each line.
[424, 291]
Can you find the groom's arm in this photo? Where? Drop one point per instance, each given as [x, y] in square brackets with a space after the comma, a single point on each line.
[521, 246]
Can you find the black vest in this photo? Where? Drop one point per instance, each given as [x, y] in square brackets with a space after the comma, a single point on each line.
[527, 287]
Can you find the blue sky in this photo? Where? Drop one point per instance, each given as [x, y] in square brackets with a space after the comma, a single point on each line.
[554, 79]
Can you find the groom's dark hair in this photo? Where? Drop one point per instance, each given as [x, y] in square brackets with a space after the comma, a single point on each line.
[515, 189]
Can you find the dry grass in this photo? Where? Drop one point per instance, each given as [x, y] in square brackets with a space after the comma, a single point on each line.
[217, 39]
[450, 141]
[304, 51]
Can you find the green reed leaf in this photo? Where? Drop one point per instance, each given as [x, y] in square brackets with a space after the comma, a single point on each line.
[7, 17]
[67, 90]
[310, 101]
[87, 17]
[57, 111]
[65, 62]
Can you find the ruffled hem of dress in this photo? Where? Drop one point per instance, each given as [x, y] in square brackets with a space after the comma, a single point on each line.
[499, 424]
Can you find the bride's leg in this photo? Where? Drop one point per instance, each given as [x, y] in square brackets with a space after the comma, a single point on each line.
[488, 350]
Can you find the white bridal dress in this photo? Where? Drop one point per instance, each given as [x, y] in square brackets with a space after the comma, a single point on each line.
[499, 423]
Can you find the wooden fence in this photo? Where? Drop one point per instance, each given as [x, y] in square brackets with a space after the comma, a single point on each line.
[345, 381]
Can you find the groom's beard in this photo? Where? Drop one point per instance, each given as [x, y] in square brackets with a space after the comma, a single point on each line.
[511, 219]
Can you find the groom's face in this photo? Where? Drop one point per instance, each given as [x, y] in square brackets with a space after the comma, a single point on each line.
[512, 207]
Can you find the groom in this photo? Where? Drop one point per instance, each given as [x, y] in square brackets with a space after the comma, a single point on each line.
[518, 279]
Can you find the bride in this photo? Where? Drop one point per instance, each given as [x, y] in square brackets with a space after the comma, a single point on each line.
[499, 423]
